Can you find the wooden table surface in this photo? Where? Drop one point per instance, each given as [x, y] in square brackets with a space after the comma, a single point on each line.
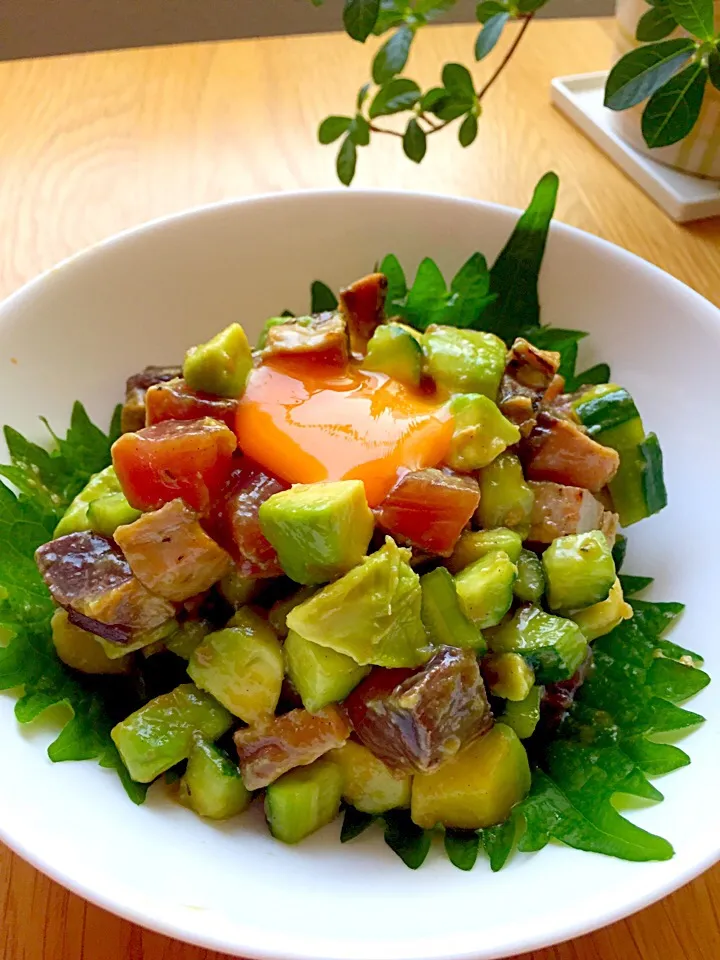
[92, 144]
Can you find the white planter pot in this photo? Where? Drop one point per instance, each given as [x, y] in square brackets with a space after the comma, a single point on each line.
[699, 152]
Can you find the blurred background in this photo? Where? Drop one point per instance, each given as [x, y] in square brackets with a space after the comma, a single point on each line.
[33, 28]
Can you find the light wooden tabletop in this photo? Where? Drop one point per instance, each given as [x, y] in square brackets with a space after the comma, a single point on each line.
[91, 145]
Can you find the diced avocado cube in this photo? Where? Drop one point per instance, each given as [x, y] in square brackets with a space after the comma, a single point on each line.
[444, 618]
[508, 675]
[241, 666]
[212, 785]
[554, 646]
[277, 618]
[75, 518]
[368, 785]
[320, 675]
[303, 800]
[523, 715]
[109, 512]
[506, 500]
[222, 365]
[530, 584]
[82, 650]
[465, 361]
[396, 352]
[481, 432]
[372, 614]
[238, 590]
[146, 639]
[319, 530]
[187, 638]
[485, 588]
[475, 544]
[600, 618]
[160, 734]
[579, 570]
[477, 788]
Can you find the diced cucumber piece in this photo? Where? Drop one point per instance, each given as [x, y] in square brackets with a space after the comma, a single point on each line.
[554, 646]
[508, 675]
[320, 675]
[368, 785]
[506, 500]
[579, 570]
[241, 666]
[477, 788]
[481, 432]
[523, 715]
[161, 734]
[75, 518]
[303, 800]
[187, 638]
[277, 618]
[603, 407]
[109, 512]
[212, 785]
[485, 588]
[600, 618]
[396, 352]
[473, 545]
[320, 530]
[530, 584]
[465, 361]
[442, 615]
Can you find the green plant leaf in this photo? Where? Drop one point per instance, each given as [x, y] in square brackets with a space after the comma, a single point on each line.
[359, 131]
[641, 72]
[462, 848]
[655, 24]
[346, 161]
[469, 293]
[675, 652]
[490, 34]
[619, 550]
[362, 95]
[673, 110]
[360, 17]
[414, 141]
[632, 585]
[430, 10]
[354, 823]
[408, 841]
[489, 9]
[392, 56]
[600, 373]
[468, 130]
[427, 297]
[321, 297]
[449, 109]
[514, 275]
[394, 97]
[654, 759]
[675, 681]
[696, 16]
[498, 842]
[458, 82]
[332, 128]
[530, 6]
[397, 285]
[392, 14]
[714, 68]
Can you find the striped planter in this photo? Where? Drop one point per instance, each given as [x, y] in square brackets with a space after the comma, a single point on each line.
[698, 153]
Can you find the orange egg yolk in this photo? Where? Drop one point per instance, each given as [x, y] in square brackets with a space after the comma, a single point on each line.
[310, 423]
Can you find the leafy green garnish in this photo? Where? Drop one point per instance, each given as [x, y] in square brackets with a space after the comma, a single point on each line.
[410, 842]
[355, 822]
[462, 848]
[321, 298]
[46, 483]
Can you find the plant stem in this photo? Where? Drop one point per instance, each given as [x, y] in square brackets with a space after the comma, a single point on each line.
[508, 56]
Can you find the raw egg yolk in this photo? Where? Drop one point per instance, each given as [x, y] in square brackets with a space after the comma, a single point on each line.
[310, 423]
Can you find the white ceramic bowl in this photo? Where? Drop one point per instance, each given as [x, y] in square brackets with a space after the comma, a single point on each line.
[141, 298]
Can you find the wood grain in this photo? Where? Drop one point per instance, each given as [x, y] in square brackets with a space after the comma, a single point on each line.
[92, 144]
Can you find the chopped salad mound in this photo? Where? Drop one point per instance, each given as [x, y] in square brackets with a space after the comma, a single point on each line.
[371, 565]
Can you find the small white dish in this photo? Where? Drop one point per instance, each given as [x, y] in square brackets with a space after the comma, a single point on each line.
[683, 197]
[141, 298]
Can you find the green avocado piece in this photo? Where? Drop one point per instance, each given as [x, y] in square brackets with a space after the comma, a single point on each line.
[212, 785]
[320, 675]
[523, 715]
[277, 617]
[506, 500]
[485, 588]
[442, 614]
[465, 361]
[530, 584]
[475, 544]
[187, 638]
[109, 512]
[579, 570]
[508, 675]
[75, 519]
[303, 800]
[554, 646]
[160, 734]
[372, 614]
[241, 666]
[319, 530]
[396, 352]
[481, 432]
[222, 365]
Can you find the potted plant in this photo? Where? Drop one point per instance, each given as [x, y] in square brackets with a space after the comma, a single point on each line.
[676, 74]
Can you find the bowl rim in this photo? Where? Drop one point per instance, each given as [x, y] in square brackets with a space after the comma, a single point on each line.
[427, 949]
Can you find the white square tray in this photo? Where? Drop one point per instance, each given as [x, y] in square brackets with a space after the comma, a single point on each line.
[682, 196]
